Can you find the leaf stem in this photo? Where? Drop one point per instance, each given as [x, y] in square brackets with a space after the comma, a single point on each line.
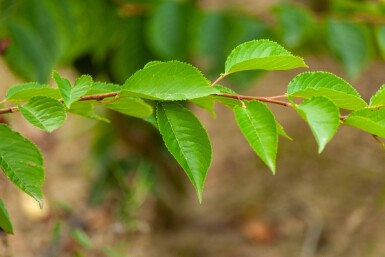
[218, 79]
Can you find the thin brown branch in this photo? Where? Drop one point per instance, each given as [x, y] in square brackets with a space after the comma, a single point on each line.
[218, 79]
[97, 97]
[262, 99]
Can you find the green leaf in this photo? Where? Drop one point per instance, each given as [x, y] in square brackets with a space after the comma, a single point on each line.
[309, 84]
[25, 92]
[323, 117]
[378, 99]
[86, 109]
[22, 162]
[261, 55]
[131, 106]
[369, 120]
[259, 127]
[5, 222]
[44, 113]
[72, 94]
[81, 238]
[352, 44]
[168, 81]
[187, 141]
[207, 103]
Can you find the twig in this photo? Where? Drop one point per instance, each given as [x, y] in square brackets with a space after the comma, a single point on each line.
[262, 99]
[218, 79]
[97, 97]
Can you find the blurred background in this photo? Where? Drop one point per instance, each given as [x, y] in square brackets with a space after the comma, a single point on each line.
[113, 189]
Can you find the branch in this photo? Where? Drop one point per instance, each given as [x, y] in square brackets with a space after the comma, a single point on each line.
[262, 99]
[97, 97]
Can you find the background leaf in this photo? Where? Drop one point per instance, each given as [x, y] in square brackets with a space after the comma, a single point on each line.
[5, 222]
[168, 29]
[44, 113]
[258, 125]
[22, 162]
[261, 54]
[328, 85]
[187, 140]
[169, 81]
[352, 44]
[323, 118]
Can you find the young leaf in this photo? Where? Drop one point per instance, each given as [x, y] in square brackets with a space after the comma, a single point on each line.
[72, 94]
[131, 106]
[45, 113]
[187, 141]
[86, 109]
[24, 92]
[261, 55]
[259, 127]
[319, 83]
[22, 162]
[5, 222]
[323, 117]
[372, 121]
[168, 81]
[379, 98]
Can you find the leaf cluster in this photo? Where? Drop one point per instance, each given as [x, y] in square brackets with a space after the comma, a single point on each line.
[159, 93]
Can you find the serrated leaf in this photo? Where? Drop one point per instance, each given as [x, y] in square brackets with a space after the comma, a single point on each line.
[378, 99]
[131, 106]
[25, 92]
[86, 109]
[187, 141]
[369, 120]
[22, 162]
[152, 63]
[168, 81]
[352, 44]
[207, 103]
[5, 222]
[259, 127]
[319, 83]
[261, 55]
[44, 113]
[323, 117]
[72, 94]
